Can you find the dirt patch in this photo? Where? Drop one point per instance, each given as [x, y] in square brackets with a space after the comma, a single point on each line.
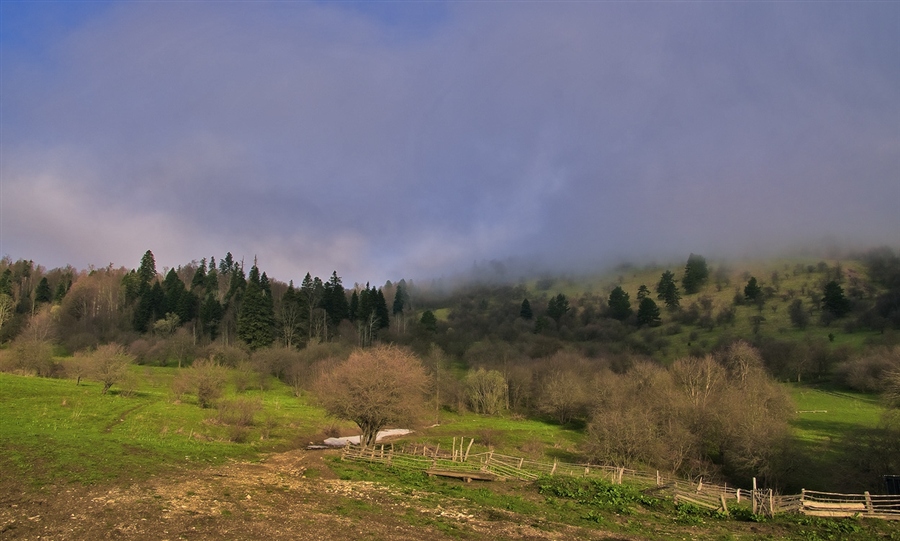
[291, 495]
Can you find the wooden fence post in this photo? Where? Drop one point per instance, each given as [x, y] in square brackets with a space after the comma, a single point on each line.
[869, 508]
[753, 495]
[469, 448]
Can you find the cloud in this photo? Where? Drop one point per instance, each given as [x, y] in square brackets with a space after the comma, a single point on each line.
[385, 143]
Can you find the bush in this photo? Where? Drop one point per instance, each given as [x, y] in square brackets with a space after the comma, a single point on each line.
[240, 411]
[205, 379]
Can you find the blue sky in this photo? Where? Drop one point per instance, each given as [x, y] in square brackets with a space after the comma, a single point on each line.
[395, 139]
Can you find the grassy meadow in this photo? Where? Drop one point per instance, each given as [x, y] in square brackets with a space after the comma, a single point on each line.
[54, 430]
[829, 429]
[782, 280]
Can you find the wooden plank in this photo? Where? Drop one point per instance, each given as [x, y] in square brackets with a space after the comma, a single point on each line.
[467, 476]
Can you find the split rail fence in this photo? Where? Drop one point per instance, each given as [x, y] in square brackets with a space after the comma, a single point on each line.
[459, 463]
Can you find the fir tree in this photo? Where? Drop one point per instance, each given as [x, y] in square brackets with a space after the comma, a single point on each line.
[399, 300]
[525, 311]
[752, 291]
[648, 312]
[695, 274]
[199, 279]
[256, 318]
[43, 293]
[619, 305]
[667, 290]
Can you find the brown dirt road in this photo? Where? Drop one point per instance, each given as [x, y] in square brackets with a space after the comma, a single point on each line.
[292, 495]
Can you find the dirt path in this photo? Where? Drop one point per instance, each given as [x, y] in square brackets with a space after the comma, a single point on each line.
[291, 495]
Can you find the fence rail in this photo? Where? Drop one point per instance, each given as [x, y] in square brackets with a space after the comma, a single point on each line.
[490, 465]
[830, 504]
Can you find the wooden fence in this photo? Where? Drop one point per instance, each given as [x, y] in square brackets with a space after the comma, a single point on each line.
[829, 504]
[460, 463]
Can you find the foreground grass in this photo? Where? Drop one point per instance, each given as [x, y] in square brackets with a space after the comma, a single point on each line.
[57, 431]
[550, 504]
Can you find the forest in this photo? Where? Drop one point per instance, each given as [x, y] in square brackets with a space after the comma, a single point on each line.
[681, 368]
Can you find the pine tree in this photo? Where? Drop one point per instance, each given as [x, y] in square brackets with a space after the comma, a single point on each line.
[210, 316]
[752, 291]
[695, 274]
[334, 300]
[256, 318]
[833, 300]
[381, 311]
[429, 321]
[648, 312]
[619, 305]
[667, 290]
[147, 270]
[525, 312]
[643, 292]
[311, 292]
[43, 293]
[557, 307]
[399, 301]
[354, 306]
[199, 279]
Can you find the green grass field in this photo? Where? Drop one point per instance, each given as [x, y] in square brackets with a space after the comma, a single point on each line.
[828, 428]
[55, 430]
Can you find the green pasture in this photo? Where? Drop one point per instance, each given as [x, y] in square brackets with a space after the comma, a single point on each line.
[829, 430]
[511, 436]
[54, 430]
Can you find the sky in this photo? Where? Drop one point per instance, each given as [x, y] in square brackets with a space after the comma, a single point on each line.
[388, 140]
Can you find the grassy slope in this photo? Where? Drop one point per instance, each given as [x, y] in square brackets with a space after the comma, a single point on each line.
[793, 275]
[53, 430]
[826, 429]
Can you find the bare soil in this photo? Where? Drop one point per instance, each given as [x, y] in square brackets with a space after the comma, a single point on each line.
[292, 495]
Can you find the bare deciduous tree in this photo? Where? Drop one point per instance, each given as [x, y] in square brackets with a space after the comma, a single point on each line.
[486, 391]
[205, 378]
[109, 365]
[375, 388]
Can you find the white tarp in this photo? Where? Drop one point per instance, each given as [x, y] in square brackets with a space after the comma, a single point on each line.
[354, 440]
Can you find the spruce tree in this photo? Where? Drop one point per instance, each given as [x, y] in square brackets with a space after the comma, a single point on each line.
[381, 311]
[752, 291]
[667, 290]
[833, 300]
[335, 300]
[399, 300]
[147, 270]
[619, 305]
[525, 312]
[199, 279]
[256, 319]
[43, 293]
[648, 312]
[695, 274]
